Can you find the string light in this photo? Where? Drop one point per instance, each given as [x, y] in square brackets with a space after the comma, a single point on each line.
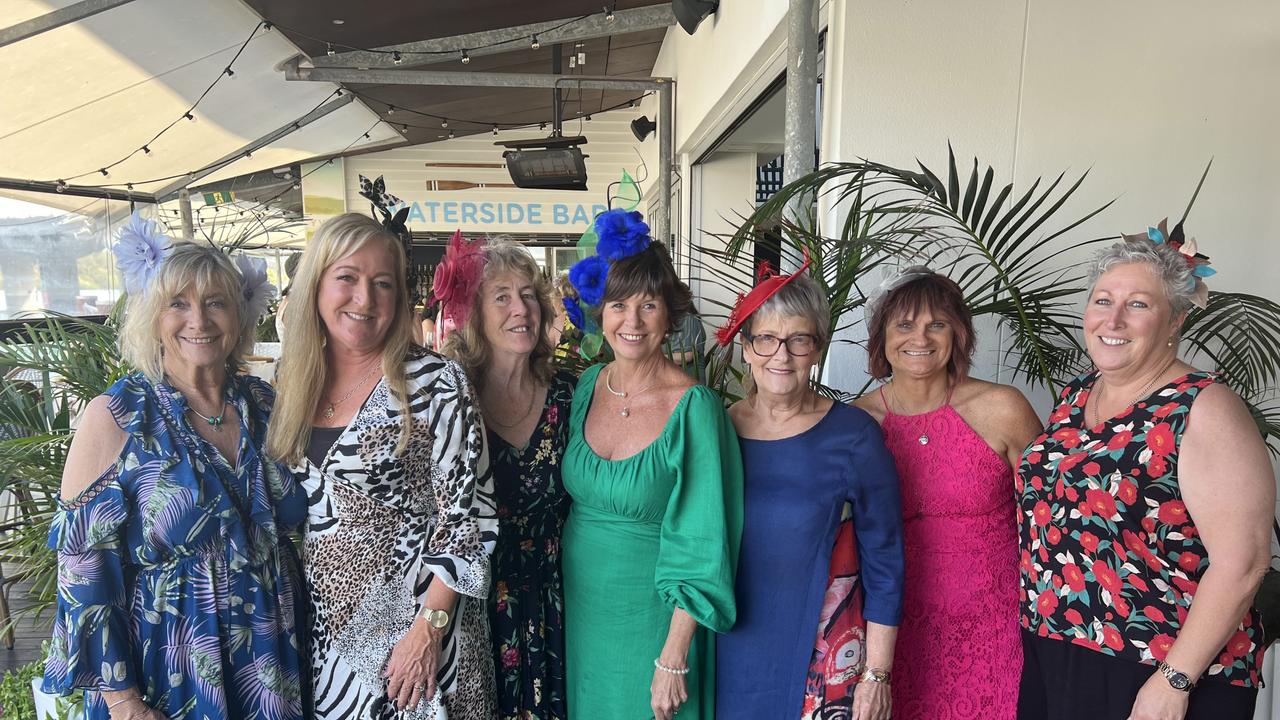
[189, 116]
[104, 172]
[444, 123]
[391, 109]
[535, 44]
[495, 130]
[62, 185]
[450, 134]
[329, 50]
[395, 58]
[230, 73]
[608, 14]
[466, 59]
[146, 150]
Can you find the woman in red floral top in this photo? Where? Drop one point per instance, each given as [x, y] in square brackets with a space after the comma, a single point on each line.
[1148, 470]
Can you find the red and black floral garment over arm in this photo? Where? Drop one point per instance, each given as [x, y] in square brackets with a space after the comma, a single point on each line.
[1110, 558]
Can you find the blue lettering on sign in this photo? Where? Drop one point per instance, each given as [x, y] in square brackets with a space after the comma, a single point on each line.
[468, 213]
[453, 212]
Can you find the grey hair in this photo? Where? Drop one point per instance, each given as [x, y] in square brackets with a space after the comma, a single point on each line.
[1169, 265]
[187, 264]
[801, 297]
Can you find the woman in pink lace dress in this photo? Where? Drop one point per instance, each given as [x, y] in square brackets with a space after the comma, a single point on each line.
[955, 441]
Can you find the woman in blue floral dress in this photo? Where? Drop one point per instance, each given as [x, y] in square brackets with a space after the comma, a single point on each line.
[176, 580]
[503, 342]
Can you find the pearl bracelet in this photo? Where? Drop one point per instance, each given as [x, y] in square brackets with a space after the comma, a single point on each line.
[673, 671]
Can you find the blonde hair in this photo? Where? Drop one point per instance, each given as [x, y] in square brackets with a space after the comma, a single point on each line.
[186, 265]
[468, 344]
[303, 370]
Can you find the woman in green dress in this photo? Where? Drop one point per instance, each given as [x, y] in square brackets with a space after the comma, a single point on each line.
[653, 467]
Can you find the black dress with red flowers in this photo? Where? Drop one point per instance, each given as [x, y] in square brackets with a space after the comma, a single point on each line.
[526, 605]
[1110, 558]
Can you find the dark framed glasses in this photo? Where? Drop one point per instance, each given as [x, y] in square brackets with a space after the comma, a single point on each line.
[767, 345]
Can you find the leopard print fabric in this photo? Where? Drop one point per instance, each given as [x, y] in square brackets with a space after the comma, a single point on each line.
[381, 526]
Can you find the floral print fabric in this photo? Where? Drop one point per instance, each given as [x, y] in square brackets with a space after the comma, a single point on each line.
[1110, 558]
[174, 574]
[526, 608]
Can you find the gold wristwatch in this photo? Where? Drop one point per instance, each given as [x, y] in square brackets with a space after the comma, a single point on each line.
[876, 675]
[438, 619]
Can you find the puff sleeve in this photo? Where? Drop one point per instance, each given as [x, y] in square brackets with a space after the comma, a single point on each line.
[702, 526]
[92, 641]
[465, 528]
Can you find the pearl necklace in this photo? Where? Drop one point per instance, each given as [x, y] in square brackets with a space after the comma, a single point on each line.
[626, 408]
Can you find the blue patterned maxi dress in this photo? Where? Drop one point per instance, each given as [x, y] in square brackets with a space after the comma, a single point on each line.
[175, 575]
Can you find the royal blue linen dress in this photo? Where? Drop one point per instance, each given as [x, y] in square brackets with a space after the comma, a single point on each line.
[175, 574]
[796, 490]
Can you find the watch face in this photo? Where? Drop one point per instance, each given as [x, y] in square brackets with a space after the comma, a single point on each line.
[1179, 681]
[438, 618]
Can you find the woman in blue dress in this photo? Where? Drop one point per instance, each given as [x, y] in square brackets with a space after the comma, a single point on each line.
[816, 626]
[176, 579]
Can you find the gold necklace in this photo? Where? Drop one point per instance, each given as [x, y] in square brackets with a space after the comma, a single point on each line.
[328, 411]
[1097, 396]
[494, 421]
[626, 408]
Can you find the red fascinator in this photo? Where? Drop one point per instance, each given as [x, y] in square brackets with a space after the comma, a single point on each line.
[458, 277]
[767, 285]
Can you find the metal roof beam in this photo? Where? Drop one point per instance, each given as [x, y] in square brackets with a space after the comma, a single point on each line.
[167, 191]
[56, 19]
[494, 42]
[88, 191]
[294, 71]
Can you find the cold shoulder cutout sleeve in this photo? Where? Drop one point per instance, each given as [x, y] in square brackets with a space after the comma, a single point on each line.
[702, 527]
[91, 645]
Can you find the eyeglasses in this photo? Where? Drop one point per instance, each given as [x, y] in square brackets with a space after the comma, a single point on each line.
[767, 345]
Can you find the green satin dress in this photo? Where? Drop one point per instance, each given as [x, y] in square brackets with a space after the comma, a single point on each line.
[646, 534]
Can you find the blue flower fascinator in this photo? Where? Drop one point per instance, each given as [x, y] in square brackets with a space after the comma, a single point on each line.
[140, 248]
[615, 234]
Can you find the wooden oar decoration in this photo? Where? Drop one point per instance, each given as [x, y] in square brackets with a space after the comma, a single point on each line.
[447, 185]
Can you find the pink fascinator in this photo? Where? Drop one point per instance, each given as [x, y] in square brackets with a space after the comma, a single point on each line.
[458, 277]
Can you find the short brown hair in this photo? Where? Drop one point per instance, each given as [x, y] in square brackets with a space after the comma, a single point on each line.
[938, 294]
[650, 272]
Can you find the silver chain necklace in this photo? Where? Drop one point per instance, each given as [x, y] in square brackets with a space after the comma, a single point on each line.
[328, 411]
[215, 421]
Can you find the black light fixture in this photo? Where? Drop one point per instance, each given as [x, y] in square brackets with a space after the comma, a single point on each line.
[642, 126]
[554, 163]
[691, 12]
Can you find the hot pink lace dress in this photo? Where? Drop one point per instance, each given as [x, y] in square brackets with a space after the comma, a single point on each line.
[959, 652]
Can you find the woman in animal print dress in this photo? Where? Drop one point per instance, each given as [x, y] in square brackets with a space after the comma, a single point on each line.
[388, 442]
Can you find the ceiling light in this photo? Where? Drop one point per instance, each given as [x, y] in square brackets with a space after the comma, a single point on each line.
[466, 59]
[535, 44]
[338, 21]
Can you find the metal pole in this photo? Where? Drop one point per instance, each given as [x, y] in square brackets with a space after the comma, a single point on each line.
[56, 19]
[184, 204]
[666, 160]
[801, 135]
[557, 107]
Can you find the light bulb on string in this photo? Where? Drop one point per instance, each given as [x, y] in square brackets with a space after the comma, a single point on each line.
[534, 44]
[146, 150]
[104, 172]
[495, 130]
[608, 14]
[189, 116]
[444, 122]
[229, 72]
[396, 59]
[61, 186]
[329, 50]
[466, 59]
[391, 109]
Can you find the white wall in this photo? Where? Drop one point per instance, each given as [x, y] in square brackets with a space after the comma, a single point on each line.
[1140, 93]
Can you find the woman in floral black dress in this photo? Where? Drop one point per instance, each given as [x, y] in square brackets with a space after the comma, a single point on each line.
[502, 340]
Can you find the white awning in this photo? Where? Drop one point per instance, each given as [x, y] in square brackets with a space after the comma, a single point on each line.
[81, 97]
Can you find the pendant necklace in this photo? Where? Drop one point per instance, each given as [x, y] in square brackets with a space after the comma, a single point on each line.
[924, 436]
[626, 408]
[1096, 393]
[215, 421]
[328, 411]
